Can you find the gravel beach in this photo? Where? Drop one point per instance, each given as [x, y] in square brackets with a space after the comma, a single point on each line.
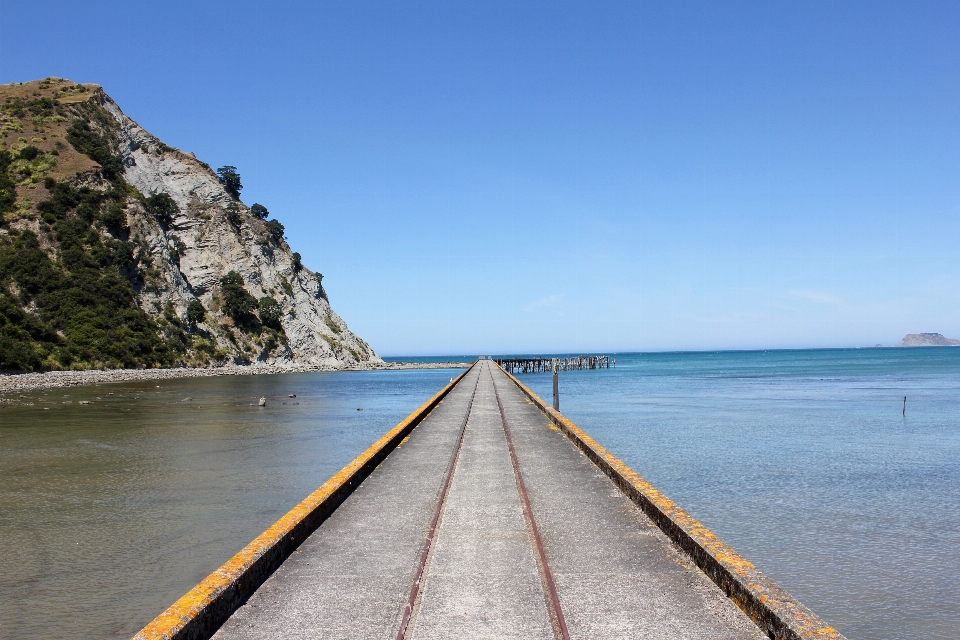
[18, 382]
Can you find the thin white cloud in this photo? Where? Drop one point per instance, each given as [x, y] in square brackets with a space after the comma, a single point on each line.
[820, 297]
[544, 303]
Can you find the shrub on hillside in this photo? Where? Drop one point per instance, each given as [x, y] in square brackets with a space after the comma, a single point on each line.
[162, 207]
[237, 301]
[29, 152]
[270, 313]
[195, 312]
[234, 216]
[95, 146]
[114, 218]
[275, 229]
[8, 190]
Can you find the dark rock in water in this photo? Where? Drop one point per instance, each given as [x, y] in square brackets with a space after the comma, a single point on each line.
[927, 340]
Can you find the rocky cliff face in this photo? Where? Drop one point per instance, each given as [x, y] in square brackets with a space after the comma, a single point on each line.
[212, 246]
[182, 256]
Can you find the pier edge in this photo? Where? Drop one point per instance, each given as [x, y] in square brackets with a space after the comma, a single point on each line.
[772, 609]
[201, 611]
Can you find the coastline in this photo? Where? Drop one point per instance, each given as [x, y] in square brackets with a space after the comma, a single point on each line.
[19, 382]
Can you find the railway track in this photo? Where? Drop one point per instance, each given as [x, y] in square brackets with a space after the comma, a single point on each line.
[551, 597]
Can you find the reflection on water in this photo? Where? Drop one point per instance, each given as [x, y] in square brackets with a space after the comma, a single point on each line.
[110, 511]
[803, 462]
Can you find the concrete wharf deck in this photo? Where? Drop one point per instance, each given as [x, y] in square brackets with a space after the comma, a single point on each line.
[578, 559]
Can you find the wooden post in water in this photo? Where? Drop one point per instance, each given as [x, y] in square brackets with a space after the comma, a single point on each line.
[556, 386]
[904, 405]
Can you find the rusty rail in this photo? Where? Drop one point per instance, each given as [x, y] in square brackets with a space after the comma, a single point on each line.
[553, 598]
[431, 532]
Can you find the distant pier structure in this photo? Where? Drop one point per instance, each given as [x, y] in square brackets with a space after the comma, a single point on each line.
[539, 365]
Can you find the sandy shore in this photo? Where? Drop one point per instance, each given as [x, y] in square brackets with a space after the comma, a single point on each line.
[57, 379]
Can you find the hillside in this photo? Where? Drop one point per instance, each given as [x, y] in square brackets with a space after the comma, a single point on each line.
[926, 340]
[117, 250]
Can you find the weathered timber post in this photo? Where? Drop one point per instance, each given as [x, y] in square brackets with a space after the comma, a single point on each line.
[556, 386]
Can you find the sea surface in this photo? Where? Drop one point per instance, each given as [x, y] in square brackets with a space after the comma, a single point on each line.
[806, 463]
[803, 461]
[109, 512]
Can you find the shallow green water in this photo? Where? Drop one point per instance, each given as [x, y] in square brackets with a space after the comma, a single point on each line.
[111, 511]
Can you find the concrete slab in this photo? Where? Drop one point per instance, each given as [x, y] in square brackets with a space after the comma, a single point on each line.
[617, 575]
[351, 578]
[482, 579]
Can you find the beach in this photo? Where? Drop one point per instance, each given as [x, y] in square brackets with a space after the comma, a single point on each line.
[23, 382]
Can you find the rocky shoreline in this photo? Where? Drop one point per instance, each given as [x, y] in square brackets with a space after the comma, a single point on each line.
[58, 379]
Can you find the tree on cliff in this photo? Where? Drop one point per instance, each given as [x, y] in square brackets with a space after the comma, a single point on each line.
[195, 312]
[231, 180]
[237, 301]
[270, 313]
[259, 211]
[162, 207]
[275, 229]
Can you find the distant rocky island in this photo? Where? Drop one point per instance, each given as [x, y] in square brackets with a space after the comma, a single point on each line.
[119, 251]
[927, 340]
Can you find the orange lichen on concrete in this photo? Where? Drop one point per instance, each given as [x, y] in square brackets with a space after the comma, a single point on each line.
[773, 609]
[169, 624]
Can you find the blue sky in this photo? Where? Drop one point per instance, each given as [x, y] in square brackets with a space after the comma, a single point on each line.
[597, 176]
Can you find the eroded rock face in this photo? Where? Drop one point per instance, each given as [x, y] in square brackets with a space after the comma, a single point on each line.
[199, 245]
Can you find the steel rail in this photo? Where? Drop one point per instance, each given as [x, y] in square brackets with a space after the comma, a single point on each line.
[431, 532]
[553, 599]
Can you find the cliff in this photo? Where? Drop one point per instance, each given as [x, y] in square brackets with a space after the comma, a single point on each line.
[119, 250]
[926, 340]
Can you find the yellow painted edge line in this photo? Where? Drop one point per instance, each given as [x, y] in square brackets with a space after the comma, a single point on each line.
[765, 593]
[183, 611]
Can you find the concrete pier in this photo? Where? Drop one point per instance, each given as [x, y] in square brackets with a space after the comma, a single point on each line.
[492, 520]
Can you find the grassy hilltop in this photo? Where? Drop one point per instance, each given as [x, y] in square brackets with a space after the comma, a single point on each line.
[96, 273]
[66, 293]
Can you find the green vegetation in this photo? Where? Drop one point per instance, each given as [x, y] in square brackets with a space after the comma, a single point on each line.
[8, 190]
[68, 293]
[333, 326]
[162, 207]
[234, 217]
[195, 312]
[270, 313]
[231, 180]
[259, 211]
[85, 313]
[275, 229]
[237, 301]
[96, 145]
[177, 249]
[114, 218]
[297, 263]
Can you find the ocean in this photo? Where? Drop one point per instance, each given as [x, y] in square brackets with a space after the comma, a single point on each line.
[801, 460]
[805, 462]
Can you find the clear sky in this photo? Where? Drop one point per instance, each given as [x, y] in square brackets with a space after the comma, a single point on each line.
[500, 177]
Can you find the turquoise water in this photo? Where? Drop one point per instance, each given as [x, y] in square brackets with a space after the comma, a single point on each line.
[804, 463]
